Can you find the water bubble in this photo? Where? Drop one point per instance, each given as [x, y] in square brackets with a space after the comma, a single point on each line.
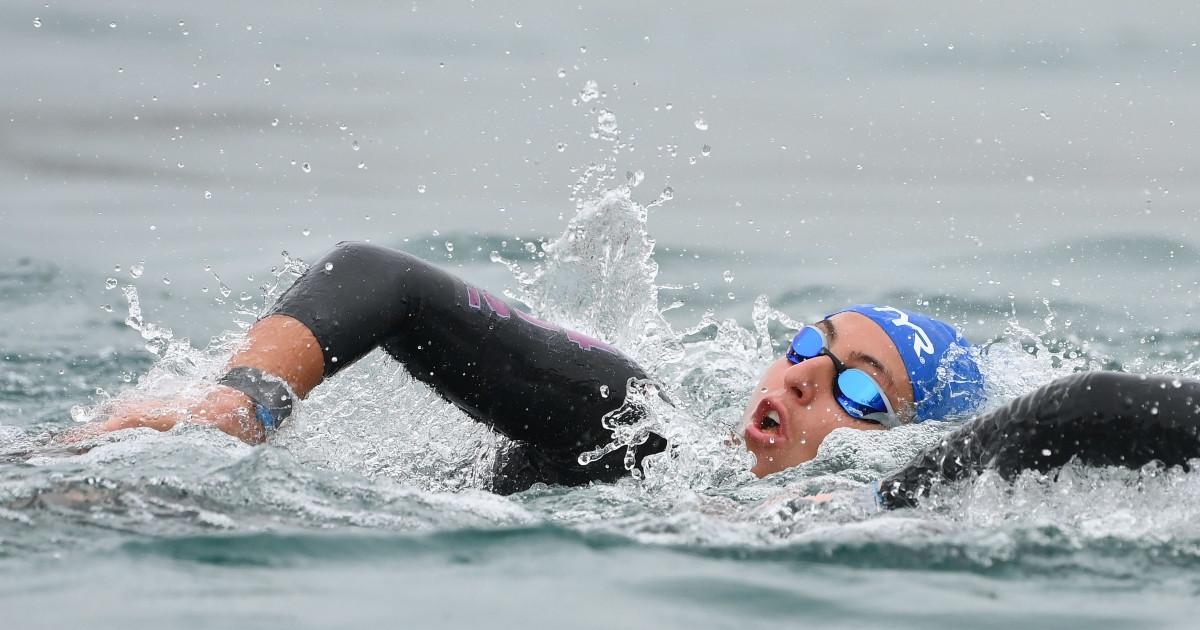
[705, 150]
[306, 167]
[207, 194]
[530, 247]
[37, 22]
[590, 91]
[701, 124]
[727, 275]
[110, 283]
[562, 74]
[561, 146]
[328, 266]
[421, 188]
[606, 121]
[305, 232]
[668, 194]
[107, 308]
[449, 246]
[137, 269]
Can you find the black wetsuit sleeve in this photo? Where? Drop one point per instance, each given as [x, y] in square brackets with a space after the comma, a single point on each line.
[1101, 418]
[533, 381]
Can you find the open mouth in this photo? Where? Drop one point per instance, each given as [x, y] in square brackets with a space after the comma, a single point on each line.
[769, 421]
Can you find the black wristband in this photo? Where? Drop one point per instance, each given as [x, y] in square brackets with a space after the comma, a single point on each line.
[270, 394]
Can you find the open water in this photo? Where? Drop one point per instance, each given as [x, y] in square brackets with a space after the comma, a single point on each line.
[686, 180]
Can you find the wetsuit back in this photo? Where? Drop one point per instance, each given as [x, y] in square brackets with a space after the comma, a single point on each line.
[542, 385]
[1100, 418]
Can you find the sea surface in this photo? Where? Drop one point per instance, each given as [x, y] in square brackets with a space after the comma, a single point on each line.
[689, 181]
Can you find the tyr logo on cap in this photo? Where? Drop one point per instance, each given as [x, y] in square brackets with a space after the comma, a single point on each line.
[921, 341]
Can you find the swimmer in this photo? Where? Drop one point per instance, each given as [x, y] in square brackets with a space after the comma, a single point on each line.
[865, 367]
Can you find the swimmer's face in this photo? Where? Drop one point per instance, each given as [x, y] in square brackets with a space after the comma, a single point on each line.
[802, 394]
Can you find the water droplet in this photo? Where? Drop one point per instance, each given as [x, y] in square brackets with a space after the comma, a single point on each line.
[305, 232]
[1029, 178]
[1045, 115]
[727, 275]
[701, 124]
[730, 296]
[137, 269]
[590, 91]
[1046, 452]
[37, 22]
[606, 121]
[107, 308]
[1154, 411]
[112, 25]
[635, 178]
[1055, 282]
[328, 266]
[668, 194]
[518, 24]
[278, 67]
[354, 145]
[421, 188]
[449, 246]
[306, 167]
[110, 283]
[166, 280]
[562, 74]
[266, 81]
[120, 70]
[207, 194]
[604, 391]
[668, 106]
[705, 150]
[530, 247]
[949, 46]
[583, 50]
[362, 165]
[561, 146]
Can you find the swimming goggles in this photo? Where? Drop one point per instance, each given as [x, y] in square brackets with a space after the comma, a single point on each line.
[855, 390]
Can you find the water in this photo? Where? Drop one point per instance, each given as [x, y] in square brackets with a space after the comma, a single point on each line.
[644, 173]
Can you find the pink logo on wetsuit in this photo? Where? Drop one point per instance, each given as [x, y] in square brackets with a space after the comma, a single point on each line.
[503, 311]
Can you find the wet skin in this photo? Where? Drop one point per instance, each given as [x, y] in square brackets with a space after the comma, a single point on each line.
[802, 394]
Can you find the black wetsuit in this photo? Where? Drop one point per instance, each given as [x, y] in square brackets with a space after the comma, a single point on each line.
[547, 388]
[541, 385]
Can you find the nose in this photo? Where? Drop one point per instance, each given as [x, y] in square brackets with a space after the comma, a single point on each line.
[810, 378]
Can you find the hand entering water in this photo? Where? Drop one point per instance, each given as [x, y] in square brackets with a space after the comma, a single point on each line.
[227, 409]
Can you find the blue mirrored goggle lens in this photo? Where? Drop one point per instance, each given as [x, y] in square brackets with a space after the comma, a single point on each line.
[807, 344]
[862, 390]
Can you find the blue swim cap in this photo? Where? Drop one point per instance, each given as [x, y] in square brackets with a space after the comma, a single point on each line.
[945, 378]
